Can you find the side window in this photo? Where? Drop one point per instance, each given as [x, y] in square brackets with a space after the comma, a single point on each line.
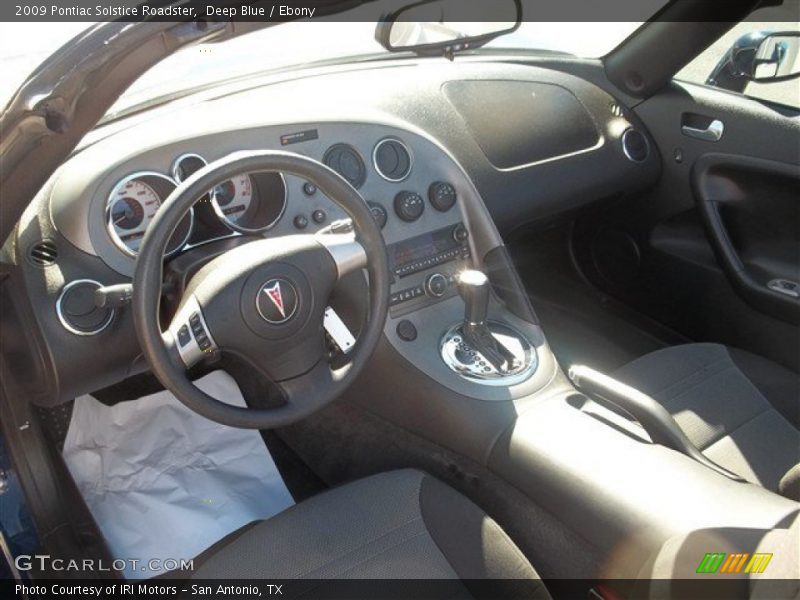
[783, 92]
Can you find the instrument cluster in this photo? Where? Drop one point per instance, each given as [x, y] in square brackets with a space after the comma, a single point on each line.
[249, 203]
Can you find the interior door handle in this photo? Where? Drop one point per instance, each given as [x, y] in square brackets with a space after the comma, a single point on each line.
[712, 133]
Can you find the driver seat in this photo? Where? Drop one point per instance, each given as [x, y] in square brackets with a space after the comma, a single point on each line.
[396, 525]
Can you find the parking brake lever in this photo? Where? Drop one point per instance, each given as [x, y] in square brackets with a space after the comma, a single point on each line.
[654, 418]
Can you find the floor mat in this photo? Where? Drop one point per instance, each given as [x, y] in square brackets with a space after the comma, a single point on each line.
[165, 483]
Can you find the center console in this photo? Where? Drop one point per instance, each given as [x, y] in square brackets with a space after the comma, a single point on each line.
[424, 268]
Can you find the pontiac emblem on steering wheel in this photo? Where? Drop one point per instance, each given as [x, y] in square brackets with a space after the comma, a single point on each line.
[277, 301]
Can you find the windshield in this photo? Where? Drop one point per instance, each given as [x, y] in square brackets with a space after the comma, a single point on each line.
[299, 43]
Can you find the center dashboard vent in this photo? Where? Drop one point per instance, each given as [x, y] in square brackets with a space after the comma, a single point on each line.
[392, 160]
[43, 254]
[347, 162]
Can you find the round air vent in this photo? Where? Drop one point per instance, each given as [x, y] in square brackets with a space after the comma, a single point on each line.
[392, 160]
[635, 145]
[346, 162]
[77, 311]
[43, 254]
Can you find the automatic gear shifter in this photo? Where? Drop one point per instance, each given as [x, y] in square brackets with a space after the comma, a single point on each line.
[482, 351]
[474, 289]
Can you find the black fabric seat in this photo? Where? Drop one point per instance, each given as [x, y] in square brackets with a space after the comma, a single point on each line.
[741, 410]
[396, 525]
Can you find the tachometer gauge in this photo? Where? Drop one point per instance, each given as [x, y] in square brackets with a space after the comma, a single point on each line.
[131, 206]
[250, 203]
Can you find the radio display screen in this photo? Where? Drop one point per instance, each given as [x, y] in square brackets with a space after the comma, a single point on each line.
[423, 246]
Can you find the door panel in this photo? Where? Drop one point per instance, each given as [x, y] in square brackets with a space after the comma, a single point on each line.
[751, 210]
[722, 223]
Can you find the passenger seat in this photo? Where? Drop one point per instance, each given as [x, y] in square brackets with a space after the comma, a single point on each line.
[742, 411]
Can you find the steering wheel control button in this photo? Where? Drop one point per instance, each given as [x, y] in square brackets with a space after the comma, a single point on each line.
[77, 311]
[184, 337]
[309, 189]
[406, 331]
[436, 285]
[442, 196]
[379, 214]
[277, 301]
[191, 334]
[409, 206]
[319, 216]
[300, 222]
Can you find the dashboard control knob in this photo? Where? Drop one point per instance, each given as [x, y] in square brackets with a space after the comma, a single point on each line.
[309, 189]
[300, 222]
[378, 213]
[436, 285]
[319, 216]
[460, 233]
[409, 206]
[442, 195]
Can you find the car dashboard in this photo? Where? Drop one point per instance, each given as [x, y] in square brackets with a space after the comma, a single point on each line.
[449, 157]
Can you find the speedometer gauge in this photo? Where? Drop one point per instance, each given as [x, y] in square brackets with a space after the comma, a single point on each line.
[131, 207]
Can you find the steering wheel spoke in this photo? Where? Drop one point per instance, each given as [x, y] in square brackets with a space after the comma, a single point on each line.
[345, 250]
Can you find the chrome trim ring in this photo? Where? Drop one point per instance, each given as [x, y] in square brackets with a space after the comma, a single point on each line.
[235, 227]
[480, 371]
[118, 242]
[175, 169]
[625, 145]
[375, 159]
[60, 313]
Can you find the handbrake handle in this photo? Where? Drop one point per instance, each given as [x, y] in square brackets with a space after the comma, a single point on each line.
[654, 418]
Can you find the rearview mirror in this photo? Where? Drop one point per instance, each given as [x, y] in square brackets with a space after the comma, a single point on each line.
[759, 56]
[430, 27]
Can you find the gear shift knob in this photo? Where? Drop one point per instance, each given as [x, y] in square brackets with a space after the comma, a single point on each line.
[473, 286]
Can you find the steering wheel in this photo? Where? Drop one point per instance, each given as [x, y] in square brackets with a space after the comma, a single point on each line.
[264, 301]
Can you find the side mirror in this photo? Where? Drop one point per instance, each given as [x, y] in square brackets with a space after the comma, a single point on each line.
[758, 56]
[428, 27]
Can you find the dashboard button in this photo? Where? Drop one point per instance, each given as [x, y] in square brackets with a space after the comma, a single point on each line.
[300, 222]
[378, 213]
[406, 331]
[319, 216]
[309, 189]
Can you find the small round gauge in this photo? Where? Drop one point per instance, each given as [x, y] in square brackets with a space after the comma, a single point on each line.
[250, 203]
[187, 165]
[131, 206]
